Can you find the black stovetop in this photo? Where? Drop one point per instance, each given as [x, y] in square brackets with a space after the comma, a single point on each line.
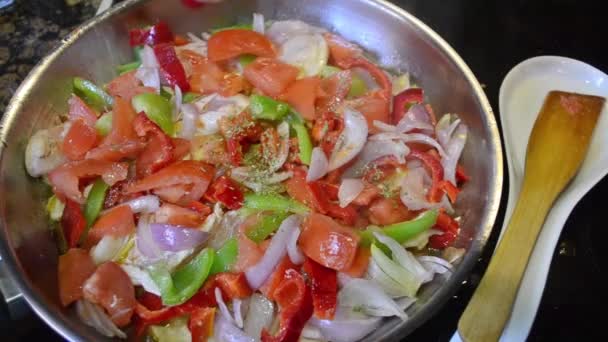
[492, 37]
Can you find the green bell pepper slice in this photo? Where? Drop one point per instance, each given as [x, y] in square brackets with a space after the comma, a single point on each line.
[180, 286]
[233, 27]
[274, 202]
[125, 68]
[157, 108]
[92, 94]
[266, 226]
[357, 85]
[264, 107]
[304, 142]
[94, 202]
[103, 125]
[190, 96]
[245, 60]
[225, 257]
[403, 231]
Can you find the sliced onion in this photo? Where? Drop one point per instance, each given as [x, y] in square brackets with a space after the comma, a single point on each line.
[94, 316]
[140, 277]
[413, 194]
[311, 332]
[409, 138]
[400, 83]
[384, 127]
[225, 312]
[351, 141]
[374, 150]
[417, 117]
[293, 251]
[408, 280]
[215, 108]
[349, 189]
[259, 315]
[405, 259]
[177, 102]
[280, 31]
[318, 165]
[175, 239]
[189, 116]
[428, 260]
[144, 240]
[445, 128]
[258, 23]
[43, 152]
[107, 248]
[421, 240]
[309, 52]
[405, 302]
[237, 307]
[388, 284]
[365, 294]
[225, 331]
[453, 255]
[143, 204]
[346, 327]
[281, 158]
[148, 73]
[258, 273]
[453, 151]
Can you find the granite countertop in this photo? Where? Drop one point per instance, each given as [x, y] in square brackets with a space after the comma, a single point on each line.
[491, 37]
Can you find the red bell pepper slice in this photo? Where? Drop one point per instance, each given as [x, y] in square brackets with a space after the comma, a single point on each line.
[200, 324]
[450, 189]
[324, 287]
[170, 66]
[224, 190]
[159, 150]
[192, 3]
[295, 300]
[159, 33]
[449, 226]
[461, 174]
[433, 165]
[73, 222]
[235, 151]
[404, 100]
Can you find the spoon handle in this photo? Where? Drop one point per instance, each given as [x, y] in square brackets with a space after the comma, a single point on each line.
[557, 146]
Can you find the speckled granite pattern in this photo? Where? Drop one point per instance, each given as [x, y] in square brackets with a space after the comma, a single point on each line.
[29, 29]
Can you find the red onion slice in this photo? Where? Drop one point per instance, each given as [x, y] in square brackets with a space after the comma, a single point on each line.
[409, 138]
[224, 309]
[374, 150]
[174, 239]
[445, 128]
[318, 165]
[177, 102]
[417, 117]
[148, 73]
[349, 189]
[258, 273]
[453, 152]
[144, 240]
[351, 141]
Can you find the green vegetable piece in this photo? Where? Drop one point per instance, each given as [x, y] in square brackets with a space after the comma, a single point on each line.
[357, 86]
[174, 331]
[137, 52]
[92, 94]
[190, 96]
[245, 60]
[304, 142]
[166, 92]
[54, 208]
[157, 108]
[264, 107]
[233, 27]
[403, 277]
[94, 202]
[125, 68]
[180, 286]
[275, 203]
[103, 125]
[266, 226]
[403, 231]
[225, 257]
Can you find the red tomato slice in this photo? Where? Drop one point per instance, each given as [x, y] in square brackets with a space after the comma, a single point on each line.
[73, 223]
[207, 77]
[122, 123]
[184, 172]
[210, 149]
[249, 252]
[359, 266]
[127, 86]
[79, 140]
[226, 191]
[159, 150]
[179, 216]
[111, 288]
[228, 44]
[79, 110]
[374, 106]
[233, 285]
[302, 94]
[181, 148]
[341, 50]
[116, 222]
[64, 179]
[385, 211]
[271, 76]
[75, 267]
[328, 243]
[334, 90]
[117, 152]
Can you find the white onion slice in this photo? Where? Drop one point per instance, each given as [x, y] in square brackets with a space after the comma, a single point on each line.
[349, 189]
[107, 248]
[225, 331]
[258, 273]
[309, 52]
[429, 259]
[258, 23]
[404, 258]
[281, 158]
[189, 116]
[409, 138]
[140, 277]
[44, 152]
[259, 315]
[453, 151]
[413, 193]
[215, 108]
[293, 251]
[144, 204]
[445, 128]
[282, 30]
[417, 117]
[351, 141]
[384, 127]
[365, 294]
[346, 327]
[237, 319]
[94, 316]
[374, 150]
[318, 165]
[177, 102]
[148, 72]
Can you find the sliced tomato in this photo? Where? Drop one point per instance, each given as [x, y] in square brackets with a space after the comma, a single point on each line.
[341, 50]
[374, 106]
[117, 152]
[234, 285]
[227, 192]
[270, 76]
[334, 90]
[200, 324]
[276, 277]
[359, 266]
[159, 150]
[127, 86]
[75, 267]
[302, 94]
[111, 288]
[117, 222]
[122, 123]
[79, 139]
[73, 222]
[208, 77]
[249, 252]
[79, 110]
[385, 211]
[232, 43]
[181, 148]
[209, 149]
[179, 216]
[199, 208]
[328, 243]
[65, 178]
[184, 172]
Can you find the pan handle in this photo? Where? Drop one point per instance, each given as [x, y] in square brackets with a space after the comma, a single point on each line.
[12, 304]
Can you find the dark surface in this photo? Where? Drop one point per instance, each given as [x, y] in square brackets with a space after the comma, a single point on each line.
[491, 37]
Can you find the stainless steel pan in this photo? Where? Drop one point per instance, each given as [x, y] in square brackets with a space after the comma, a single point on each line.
[395, 37]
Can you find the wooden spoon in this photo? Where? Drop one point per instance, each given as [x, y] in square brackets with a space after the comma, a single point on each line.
[557, 147]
